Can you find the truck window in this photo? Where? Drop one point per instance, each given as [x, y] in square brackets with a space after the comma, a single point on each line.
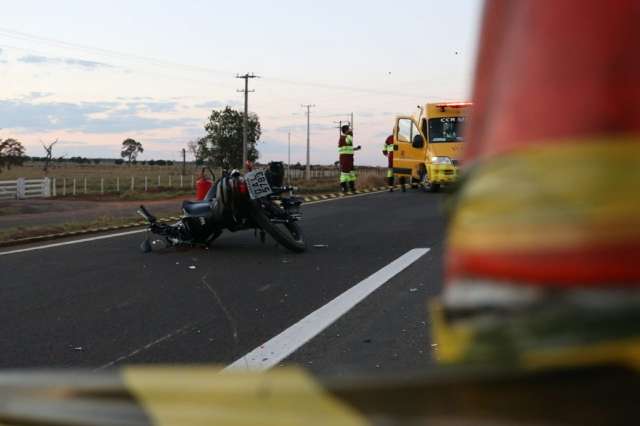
[446, 129]
[406, 130]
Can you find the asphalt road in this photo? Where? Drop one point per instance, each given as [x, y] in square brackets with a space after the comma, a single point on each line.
[103, 303]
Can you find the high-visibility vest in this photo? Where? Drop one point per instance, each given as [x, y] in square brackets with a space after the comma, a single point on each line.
[348, 147]
[388, 148]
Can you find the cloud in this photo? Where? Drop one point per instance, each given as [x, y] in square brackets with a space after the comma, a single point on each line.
[155, 106]
[219, 104]
[37, 95]
[80, 63]
[112, 118]
[303, 127]
[210, 105]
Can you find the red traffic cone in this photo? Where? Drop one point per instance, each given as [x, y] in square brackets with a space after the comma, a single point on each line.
[545, 236]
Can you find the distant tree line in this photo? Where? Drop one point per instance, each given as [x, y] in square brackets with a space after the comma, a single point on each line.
[84, 160]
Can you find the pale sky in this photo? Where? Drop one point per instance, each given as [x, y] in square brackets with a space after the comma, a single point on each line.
[92, 74]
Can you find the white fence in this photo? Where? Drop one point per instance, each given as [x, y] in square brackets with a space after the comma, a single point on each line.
[61, 186]
[22, 188]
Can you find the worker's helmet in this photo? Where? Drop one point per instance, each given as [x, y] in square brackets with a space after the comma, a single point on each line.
[345, 128]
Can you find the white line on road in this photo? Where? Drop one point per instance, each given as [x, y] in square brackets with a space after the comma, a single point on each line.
[123, 234]
[284, 344]
[66, 243]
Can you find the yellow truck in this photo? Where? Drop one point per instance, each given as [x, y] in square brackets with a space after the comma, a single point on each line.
[428, 147]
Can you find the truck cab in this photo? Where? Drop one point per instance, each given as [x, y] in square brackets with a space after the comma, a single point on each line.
[428, 146]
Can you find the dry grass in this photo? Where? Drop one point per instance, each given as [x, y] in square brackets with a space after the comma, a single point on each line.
[93, 171]
[370, 181]
[16, 233]
[107, 178]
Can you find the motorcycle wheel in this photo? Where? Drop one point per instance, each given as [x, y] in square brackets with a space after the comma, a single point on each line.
[287, 234]
[213, 237]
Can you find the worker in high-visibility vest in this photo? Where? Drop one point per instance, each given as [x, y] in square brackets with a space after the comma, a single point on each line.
[345, 150]
[387, 151]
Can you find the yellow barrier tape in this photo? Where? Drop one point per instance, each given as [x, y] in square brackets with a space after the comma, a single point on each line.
[563, 195]
[626, 352]
[453, 341]
[202, 396]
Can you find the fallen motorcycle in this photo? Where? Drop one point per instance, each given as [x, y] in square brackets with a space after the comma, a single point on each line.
[257, 200]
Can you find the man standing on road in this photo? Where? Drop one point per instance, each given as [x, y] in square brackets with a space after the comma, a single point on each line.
[345, 150]
[387, 151]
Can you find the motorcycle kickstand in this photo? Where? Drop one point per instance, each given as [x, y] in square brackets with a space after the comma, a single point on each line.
[145, 246]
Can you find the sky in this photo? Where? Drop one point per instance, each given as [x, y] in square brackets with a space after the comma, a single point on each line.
[92, 74]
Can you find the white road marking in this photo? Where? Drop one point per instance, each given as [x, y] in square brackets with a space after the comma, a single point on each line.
[67, 243]
[284, 344]
[123, 234]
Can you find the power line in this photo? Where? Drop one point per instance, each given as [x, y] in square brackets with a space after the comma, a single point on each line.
[106, 52]
[245, 121]
[156, 61]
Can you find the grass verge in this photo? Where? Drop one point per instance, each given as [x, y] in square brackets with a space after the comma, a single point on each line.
[20, 232]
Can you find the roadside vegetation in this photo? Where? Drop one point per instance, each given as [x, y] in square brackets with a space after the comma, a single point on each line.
[21, 232]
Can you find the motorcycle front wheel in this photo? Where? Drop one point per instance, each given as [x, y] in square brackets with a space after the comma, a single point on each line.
[287, 234]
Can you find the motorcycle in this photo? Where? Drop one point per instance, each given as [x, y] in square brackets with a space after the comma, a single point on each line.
[257, 200]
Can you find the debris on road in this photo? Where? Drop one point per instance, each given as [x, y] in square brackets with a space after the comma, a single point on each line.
[321, 245]
[413, 289]
[264, 288]
[192, 267]
[78, 348]
[285, 260]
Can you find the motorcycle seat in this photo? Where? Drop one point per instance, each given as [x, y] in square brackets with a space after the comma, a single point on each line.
[196, 208]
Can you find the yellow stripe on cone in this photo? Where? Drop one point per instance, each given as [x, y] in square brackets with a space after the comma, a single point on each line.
[198, 396]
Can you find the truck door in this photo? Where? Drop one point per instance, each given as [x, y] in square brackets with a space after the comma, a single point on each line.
[410, 149]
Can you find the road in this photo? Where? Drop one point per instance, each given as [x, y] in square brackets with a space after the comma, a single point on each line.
[102, 303]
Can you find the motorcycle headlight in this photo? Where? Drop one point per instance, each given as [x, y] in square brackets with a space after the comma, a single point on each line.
[441, 160]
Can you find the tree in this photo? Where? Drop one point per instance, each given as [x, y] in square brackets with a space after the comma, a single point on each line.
[194, 148]
[11, 153]
[130, 150]
[222, 145]
[48, 149]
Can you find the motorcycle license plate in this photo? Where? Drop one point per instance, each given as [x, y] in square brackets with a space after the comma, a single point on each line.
[257, 184]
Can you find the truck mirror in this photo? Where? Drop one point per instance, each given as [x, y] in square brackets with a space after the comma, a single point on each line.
[418, 141]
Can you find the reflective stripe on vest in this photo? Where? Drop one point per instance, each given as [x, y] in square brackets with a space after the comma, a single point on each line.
[388, 148]
[345, 150]
[348, 148]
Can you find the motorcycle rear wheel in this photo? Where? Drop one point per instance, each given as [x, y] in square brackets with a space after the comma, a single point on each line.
[287, 234]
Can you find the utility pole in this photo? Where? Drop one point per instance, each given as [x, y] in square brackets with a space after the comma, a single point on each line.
[307, 172]
[245, 121]
[351, 122]
[184, 162]
[339, 123]
[289, 157]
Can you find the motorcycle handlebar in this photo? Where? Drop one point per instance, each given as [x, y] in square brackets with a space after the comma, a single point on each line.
[144, 212]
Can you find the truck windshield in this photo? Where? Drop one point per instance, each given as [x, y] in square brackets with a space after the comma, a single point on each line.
[446, 129]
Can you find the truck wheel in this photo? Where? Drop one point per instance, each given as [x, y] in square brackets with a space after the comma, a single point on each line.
[434, 187]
